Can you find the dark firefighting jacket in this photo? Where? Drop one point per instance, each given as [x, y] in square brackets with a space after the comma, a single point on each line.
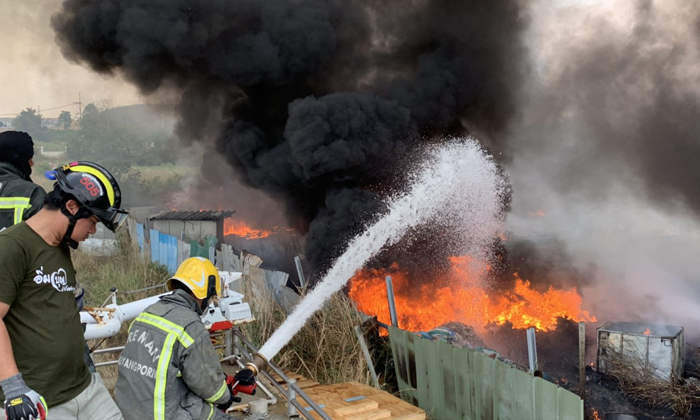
[19, 197]
[169, 368]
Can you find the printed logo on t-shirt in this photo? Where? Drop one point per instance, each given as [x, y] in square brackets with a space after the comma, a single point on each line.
[57, 279]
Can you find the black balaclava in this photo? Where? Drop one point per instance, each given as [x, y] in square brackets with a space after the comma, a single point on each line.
[17, 147]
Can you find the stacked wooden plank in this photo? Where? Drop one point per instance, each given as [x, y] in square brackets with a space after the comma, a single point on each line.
[355, 401]
[301, 381]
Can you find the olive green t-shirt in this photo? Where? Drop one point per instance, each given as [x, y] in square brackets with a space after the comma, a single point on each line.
[38, 282]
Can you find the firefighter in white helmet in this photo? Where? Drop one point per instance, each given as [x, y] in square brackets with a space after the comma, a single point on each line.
[169, 368]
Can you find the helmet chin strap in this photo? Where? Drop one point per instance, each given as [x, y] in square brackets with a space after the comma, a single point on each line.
[82, 213]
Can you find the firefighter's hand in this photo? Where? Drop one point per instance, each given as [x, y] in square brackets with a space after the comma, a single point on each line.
[245, 377]
[28, 406]
[225, 406]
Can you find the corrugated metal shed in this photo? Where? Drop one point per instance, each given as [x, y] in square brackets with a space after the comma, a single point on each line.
[655, 348]
[193, 215]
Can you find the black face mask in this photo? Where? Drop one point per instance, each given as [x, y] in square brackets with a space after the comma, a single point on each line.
[211, 291]
[17, 148]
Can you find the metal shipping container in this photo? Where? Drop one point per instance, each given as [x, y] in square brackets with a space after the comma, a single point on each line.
[657, 348]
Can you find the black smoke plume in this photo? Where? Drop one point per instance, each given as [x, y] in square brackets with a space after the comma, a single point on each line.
[318, 103]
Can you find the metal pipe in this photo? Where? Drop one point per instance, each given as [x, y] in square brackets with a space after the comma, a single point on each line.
[300, 272]
[124, 312]
[392, 304]
[108, 350]
[103, 364]
[532, 350]
[319, 411]
[106, 329]
[257, 363]
[291, 396]
[368, 358]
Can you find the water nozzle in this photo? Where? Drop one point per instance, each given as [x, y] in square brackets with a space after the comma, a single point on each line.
[258, 363]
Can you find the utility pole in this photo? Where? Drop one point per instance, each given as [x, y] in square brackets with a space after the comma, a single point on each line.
[80, 108]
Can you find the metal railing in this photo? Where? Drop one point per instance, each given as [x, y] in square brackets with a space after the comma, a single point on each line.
[294, 407]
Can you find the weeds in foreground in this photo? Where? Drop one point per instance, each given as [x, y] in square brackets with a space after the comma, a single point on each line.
[642, 386]
[326, 349]
[127, 270]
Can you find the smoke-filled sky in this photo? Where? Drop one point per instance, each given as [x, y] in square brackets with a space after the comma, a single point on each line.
[33, 73]
[590, 106]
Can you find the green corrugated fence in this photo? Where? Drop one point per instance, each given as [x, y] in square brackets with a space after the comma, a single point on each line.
[452, 383]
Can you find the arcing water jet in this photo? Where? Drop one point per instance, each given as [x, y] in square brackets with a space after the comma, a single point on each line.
[458, 183]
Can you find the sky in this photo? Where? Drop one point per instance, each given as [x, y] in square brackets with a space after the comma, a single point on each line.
[33, 73]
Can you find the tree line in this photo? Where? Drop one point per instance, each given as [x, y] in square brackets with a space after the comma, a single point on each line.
[119, 138]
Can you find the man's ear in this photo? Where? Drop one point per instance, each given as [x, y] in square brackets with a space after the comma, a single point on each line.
[72, 206]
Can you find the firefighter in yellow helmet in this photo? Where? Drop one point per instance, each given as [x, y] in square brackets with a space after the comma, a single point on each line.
[169, 368]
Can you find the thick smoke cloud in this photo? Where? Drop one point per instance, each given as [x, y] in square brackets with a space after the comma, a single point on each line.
[605, 149]
[317, 103]
[617, 105]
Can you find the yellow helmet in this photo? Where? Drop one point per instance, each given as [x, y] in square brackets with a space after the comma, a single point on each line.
[198, 274]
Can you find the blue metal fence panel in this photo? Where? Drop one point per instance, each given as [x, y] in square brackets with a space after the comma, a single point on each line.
[168, 252]
[155, 245]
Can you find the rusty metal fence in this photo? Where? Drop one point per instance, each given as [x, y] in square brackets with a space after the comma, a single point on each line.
[452, 383]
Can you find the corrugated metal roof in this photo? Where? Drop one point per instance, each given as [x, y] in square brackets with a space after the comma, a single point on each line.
[192, 215]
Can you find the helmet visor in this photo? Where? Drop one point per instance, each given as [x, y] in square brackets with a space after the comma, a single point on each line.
[112, 218]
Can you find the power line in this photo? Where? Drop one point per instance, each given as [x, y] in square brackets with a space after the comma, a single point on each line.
[46, 109]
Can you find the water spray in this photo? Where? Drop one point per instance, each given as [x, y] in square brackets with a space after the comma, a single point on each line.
[458, 183]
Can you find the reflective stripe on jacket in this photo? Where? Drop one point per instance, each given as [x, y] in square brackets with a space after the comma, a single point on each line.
[19, 198]
[169, 368]
[17, 205]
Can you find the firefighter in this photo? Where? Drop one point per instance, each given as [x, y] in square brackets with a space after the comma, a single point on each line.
[20, 198]
[169, 368]
[41, 338]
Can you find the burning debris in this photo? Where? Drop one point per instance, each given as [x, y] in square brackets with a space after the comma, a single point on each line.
[462, 294]
[244, 230]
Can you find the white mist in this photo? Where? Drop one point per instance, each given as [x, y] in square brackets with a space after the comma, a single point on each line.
[458, 182]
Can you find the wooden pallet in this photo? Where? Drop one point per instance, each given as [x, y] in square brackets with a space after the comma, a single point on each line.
[356, 401]
[353, 401]
[302, 382]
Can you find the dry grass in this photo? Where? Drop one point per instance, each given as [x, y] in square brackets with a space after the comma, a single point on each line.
[641, 386]
[326, 349]
[127, 271]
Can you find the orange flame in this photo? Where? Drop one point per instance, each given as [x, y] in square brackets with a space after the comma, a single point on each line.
[647, 332]
[538, 213]
[595, 415]
[244, 230]
[461, 296]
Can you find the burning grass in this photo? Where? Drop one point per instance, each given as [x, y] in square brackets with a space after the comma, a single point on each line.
[642, 387]
[325, 349]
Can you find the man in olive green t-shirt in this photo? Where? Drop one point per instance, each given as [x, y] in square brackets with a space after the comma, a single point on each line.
[41, 338]
[38, 281]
